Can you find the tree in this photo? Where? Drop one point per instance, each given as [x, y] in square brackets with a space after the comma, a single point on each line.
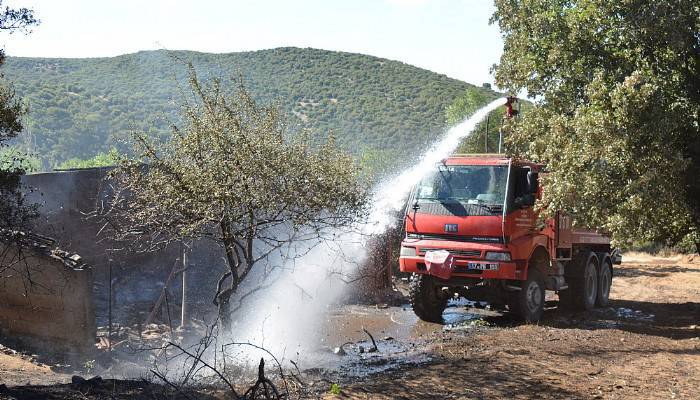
[486, 135]
[14, 213]
[466, 104]
[101, 159]
[233, 172]
[11, 109]
[618, 115]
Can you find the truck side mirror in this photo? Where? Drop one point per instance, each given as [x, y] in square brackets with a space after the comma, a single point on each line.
[532, 182]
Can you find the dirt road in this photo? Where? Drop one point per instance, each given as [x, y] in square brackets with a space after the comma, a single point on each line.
[646, 345]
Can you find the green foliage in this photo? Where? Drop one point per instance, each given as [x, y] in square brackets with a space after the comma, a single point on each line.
[486, 136]
[619, 111]
[232, 172]
[466, 104]
[81, 107]
[88, 366]
[689, 243]
[12, 158]
[102, 159]
[686, 246]
[335, 389]
[377, 164]
[15, 214]
[11, 109]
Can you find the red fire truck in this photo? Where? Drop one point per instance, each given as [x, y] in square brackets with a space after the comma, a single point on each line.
[472, 230]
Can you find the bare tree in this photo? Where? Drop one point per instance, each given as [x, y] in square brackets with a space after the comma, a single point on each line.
[232, 172]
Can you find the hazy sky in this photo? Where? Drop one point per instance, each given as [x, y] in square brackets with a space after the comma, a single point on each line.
[452, 37]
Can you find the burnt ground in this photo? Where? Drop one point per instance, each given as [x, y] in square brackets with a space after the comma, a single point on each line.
[646, 345]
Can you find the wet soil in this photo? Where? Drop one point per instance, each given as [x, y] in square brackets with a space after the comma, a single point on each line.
[645, 345]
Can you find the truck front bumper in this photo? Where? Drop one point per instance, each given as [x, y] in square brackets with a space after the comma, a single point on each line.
[474, 267]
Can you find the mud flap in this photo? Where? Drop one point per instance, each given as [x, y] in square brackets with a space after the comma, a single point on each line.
[439, 264]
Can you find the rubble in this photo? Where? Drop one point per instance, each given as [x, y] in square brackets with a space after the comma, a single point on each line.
[43, 245]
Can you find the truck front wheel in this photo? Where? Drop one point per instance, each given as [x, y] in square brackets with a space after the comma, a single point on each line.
[527, 304]
[427, 298]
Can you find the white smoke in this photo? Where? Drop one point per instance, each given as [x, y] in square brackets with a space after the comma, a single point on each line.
[287, 317]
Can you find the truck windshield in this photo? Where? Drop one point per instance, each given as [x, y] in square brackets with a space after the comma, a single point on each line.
[473, 184]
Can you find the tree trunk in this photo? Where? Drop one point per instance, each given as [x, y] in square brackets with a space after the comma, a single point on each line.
[223, 297]
[225, 309]
[239, 256]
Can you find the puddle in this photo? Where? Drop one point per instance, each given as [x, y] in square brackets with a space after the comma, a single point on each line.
[628, 313]
[462, 302]
[400, 336]
[612, 318]
[465, 318]
[390, 354]
[346, 324]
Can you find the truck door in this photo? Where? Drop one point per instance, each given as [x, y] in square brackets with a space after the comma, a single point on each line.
[521, 217]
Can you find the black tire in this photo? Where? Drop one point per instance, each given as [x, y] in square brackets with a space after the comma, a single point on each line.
[583, 286]
[527, 304]
[426, 298]
[604, 283]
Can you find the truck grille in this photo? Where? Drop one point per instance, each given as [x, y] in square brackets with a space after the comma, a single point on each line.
[458, 209]
[455, 253]
[455, 238]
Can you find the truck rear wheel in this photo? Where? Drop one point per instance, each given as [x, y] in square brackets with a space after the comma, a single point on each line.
[583, 285]
[426, 298]
[604, 283]
[527, 304]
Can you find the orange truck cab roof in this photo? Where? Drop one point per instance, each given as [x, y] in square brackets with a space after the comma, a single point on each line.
[489, 159]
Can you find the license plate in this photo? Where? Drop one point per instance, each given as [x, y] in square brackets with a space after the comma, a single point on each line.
[482, 266]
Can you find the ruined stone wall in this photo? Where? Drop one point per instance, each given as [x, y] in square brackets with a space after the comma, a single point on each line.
[67, 199]
[45, 303]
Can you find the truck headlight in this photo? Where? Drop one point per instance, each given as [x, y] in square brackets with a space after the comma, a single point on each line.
[497, 256]
[408, 251]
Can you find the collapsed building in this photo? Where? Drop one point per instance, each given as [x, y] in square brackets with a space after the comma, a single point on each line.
[75, 286]
[67, 282]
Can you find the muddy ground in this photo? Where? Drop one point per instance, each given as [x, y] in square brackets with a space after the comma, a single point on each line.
[646, 345]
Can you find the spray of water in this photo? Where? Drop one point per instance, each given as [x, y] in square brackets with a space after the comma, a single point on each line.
[390, 195]
[288, 318]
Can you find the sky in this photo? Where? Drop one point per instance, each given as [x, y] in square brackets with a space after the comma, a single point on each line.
[452, 37]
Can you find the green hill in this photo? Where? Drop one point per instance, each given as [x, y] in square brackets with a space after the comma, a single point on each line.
[78, 107]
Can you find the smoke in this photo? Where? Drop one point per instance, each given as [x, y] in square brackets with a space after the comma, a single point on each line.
[287, 316]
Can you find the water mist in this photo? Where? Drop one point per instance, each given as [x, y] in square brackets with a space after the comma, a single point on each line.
[287, 317]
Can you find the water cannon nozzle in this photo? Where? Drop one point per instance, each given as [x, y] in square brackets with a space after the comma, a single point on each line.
[510, 101]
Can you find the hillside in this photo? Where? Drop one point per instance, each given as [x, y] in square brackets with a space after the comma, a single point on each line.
[78, 107]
